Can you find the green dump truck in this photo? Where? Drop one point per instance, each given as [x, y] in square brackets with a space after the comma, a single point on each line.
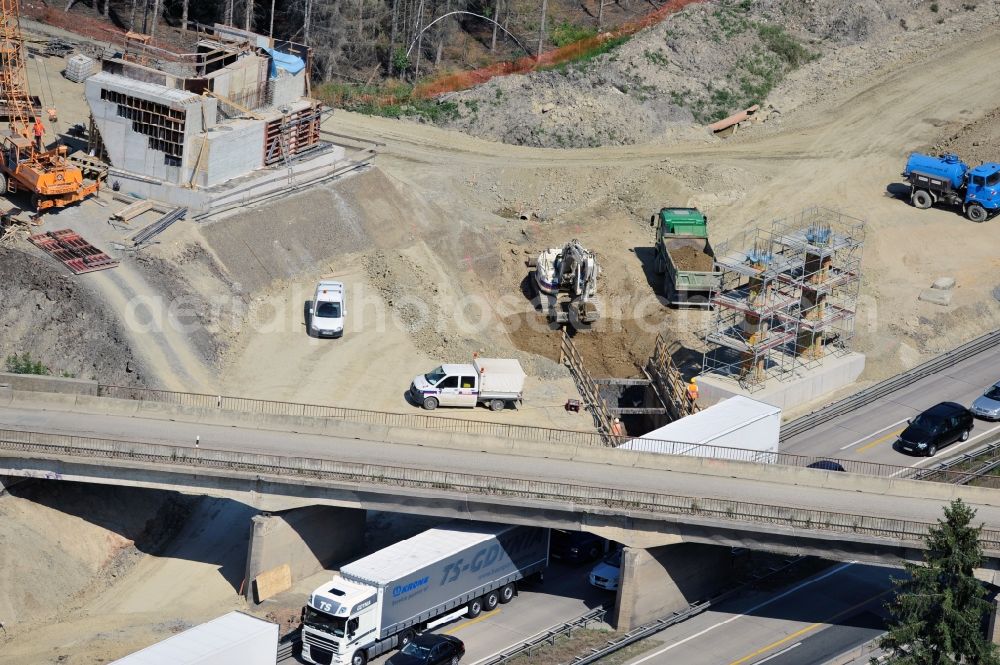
[684, 256]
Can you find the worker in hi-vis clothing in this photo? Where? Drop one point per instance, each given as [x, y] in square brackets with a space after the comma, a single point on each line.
[692, 389]
[39, 129]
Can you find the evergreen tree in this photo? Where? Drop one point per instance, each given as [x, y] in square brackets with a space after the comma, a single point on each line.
[938, 611]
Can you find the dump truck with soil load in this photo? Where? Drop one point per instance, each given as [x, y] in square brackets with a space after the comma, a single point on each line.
[380, 602]
[949, 180]
[684, 256]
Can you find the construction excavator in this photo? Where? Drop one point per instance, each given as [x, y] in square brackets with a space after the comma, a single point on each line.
[566, 280]
[48, 176]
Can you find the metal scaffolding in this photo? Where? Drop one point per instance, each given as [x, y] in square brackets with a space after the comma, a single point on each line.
[786, 299]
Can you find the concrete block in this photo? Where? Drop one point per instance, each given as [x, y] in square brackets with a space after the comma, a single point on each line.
[659, 581]
[944, 283]
[935, 296]
[306, 539]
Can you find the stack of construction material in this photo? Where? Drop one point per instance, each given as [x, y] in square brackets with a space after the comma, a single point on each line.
[79, 67]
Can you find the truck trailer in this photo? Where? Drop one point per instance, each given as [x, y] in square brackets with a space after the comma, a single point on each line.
[949, 180]
[685, 257]
[737, 428]
[381, 601]
[232, 638]
[495, 382]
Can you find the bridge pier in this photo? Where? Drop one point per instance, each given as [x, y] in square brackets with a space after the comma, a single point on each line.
[305, 539]
[657, 581]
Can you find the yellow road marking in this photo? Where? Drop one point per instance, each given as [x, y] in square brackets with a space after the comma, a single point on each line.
[890, 435]
[809, 628]
[772, 645]
[470, 622]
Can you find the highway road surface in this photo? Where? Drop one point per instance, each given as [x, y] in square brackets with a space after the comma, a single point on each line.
[505, 464]
[868, 434]
[809, 623]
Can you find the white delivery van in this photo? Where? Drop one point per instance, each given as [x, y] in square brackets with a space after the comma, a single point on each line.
[492, 381]
[327, 311]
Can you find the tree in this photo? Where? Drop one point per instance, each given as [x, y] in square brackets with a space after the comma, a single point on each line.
[938, 611]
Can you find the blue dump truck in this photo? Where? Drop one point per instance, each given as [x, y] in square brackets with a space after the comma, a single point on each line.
[947, 179]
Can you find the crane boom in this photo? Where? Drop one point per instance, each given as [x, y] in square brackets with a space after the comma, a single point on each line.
[13, 76]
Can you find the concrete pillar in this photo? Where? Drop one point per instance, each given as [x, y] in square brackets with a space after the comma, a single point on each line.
[993, 626]
[658, 581]
[307, 539]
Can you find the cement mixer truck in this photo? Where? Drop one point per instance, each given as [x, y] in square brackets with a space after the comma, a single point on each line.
[949, 180]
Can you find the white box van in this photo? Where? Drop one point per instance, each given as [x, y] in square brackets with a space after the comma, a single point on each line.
[327, 310]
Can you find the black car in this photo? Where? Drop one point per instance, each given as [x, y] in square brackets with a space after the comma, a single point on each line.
[935, 428]
[576, 545]
[429, 649]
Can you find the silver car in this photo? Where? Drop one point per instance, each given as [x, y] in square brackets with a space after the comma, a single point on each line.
[987, 407]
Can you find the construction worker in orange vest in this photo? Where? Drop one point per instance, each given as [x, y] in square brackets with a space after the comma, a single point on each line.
[39, 129]
[617, 429]
[692, 389]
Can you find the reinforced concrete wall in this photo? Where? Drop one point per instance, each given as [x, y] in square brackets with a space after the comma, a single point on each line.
[234, 149]
[146, 128]
[307, 540]
[658, 581]
[832, 374]
[48, 384]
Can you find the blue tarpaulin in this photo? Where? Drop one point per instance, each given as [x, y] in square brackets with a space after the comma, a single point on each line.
[292, 64]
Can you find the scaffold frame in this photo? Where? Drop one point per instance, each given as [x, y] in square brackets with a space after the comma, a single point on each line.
[787, 297]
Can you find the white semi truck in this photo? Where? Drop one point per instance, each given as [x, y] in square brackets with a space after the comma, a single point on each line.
[379, 602]
[491, 381]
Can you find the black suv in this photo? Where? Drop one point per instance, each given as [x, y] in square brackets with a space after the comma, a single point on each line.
[935, 428]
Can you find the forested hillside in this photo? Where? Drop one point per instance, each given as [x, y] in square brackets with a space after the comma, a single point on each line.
[365, 40]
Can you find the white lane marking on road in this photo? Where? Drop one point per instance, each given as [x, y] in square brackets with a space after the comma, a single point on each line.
[783, 651]
[878, 431]
[927, 460]
[794, 589]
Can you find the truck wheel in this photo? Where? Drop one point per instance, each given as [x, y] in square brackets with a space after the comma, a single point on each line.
[497, 405]
[430, 403]
[976, 213]
[507, 592]
[475, 608]
[360, 657]
[922, 199]
[490, 601]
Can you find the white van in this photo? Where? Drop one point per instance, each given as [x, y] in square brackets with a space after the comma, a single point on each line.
[327, 310]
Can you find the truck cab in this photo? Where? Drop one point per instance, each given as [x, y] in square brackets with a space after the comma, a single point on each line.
[680, 221]
[447, 385]
[327, 311]
[341, 620]
[983, 188]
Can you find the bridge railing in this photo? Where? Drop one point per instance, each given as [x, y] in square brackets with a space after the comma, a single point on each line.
[61, 446]
[531, 434]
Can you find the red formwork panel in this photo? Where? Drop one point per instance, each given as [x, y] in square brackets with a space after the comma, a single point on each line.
[73, 251]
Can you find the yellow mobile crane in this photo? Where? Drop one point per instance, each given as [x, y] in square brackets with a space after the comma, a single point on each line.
[52, 180]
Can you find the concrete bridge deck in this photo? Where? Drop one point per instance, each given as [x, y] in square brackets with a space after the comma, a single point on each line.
[640, 499]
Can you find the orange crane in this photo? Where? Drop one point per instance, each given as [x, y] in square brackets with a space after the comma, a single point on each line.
[48, 175]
